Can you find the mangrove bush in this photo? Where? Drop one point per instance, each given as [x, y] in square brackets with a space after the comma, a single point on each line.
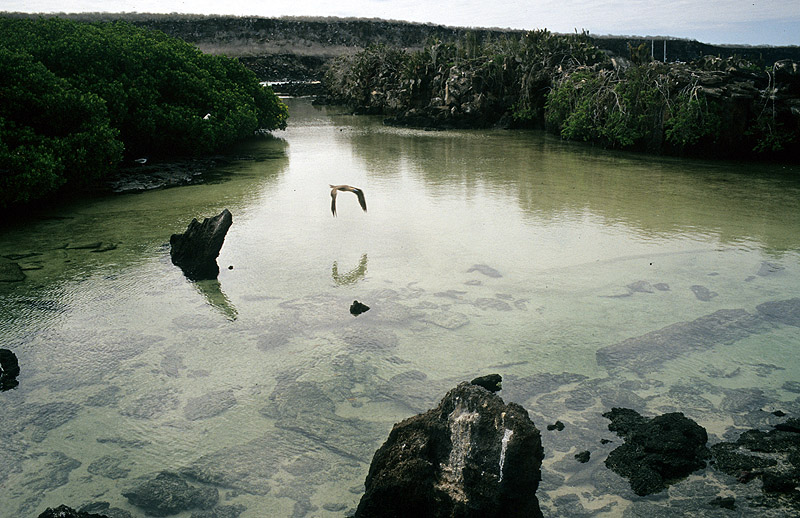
[75, 98]
[712, 107]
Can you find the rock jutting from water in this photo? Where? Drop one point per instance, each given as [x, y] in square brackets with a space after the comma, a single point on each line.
[9, 369]
[657, 451]
[196, 250]
[356, 308]
[472, 455]
[772, 456]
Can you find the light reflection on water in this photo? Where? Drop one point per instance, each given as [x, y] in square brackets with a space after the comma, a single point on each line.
[491, 251]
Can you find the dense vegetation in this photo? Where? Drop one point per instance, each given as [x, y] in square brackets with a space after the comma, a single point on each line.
[75, 98]
[714, 106]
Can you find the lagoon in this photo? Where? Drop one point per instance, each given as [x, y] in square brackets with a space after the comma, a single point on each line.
[587, 278]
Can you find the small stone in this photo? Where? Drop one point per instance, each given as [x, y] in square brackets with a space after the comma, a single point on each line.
[558, 425]
[356, 308]
[583, 457]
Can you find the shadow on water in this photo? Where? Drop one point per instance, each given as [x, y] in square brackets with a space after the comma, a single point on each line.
[351, 277]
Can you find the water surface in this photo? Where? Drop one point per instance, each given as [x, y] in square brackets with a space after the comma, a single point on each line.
[588, 279]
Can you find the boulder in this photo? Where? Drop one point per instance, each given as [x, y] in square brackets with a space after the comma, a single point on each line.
[9, 369]
[471, 456]
[196, 250]
[657, 451]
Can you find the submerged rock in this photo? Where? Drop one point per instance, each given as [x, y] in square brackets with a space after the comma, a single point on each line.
[11, 272]
[209, 405]
[168, 493]
[702, 293]
[472, 455]
[196, 250]
[657, 451]
[648, 352]
[485, 269]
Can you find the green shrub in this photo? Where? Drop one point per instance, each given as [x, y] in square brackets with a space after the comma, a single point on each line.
[50, 132]
[77, 95]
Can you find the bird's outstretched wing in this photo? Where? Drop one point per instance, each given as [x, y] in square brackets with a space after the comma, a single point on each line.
[361, 200]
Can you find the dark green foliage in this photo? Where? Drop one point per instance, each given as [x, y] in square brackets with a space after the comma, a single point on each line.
[715, 106]
[50, 132]
[658, 107]
[476, 77]
[362, 79]
[603, 106]
[77, 95]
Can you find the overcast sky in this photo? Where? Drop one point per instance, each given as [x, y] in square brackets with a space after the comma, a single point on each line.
[752, 22]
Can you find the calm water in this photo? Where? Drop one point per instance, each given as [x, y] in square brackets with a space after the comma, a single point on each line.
[588, 279]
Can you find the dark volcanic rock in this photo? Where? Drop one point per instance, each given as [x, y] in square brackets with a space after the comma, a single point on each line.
[196, 250]
[657, 451]
[491, 382]
[168, 493]
[356, 308]
[772, 456]
[63, 511]
[470, 456]
[9, 369]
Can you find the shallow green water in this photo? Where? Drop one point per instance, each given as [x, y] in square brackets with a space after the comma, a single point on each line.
[490, 251]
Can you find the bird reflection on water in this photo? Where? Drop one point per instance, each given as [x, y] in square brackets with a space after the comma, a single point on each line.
[351, 277]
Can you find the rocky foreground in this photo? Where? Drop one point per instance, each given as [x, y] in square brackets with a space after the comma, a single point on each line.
[475, 456]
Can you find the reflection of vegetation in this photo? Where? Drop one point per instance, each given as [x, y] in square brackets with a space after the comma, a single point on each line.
[75, 96]
[353, 275]
[549, 180]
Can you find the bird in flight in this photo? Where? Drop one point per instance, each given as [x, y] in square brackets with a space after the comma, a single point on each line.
[355, 190]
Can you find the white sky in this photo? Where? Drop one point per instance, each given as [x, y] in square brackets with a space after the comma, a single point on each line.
[752, 22]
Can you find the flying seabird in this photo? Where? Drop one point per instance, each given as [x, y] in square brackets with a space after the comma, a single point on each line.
[358, 192]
